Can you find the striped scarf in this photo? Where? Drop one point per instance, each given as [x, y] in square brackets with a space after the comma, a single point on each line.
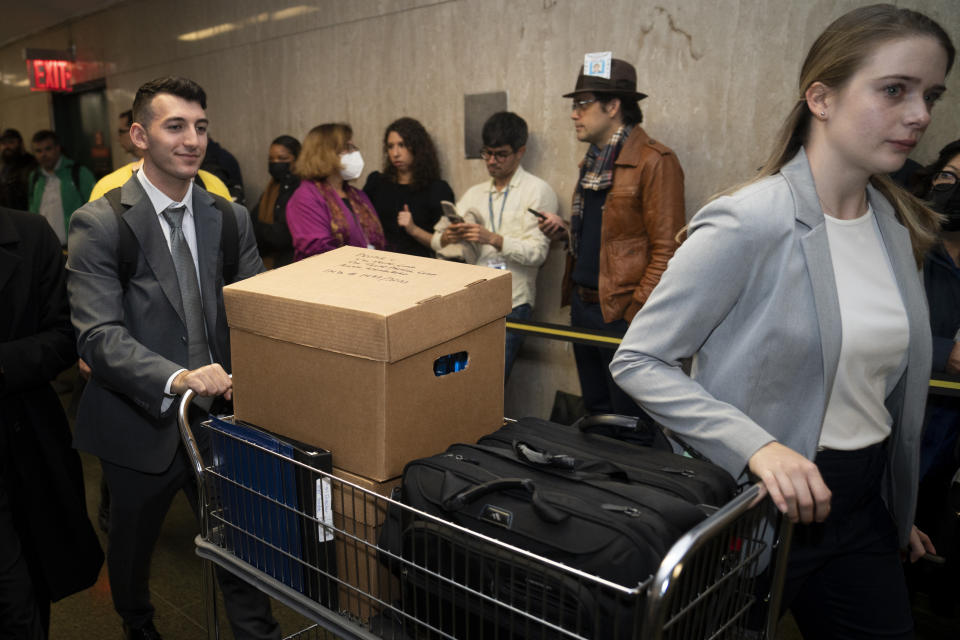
[596, 173]
[366, 216]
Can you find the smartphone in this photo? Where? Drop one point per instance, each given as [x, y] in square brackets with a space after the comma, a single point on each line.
[450, 211]
[539, 215]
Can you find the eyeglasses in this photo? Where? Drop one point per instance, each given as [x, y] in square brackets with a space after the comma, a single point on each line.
[945, 178]
[580, 105]
[487, 154]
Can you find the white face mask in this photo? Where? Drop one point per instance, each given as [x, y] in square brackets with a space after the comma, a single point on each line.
[352, 165]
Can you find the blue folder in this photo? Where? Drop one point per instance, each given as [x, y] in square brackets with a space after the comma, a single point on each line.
[261, 496]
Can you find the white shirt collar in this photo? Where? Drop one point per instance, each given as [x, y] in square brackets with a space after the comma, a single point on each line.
[514, 181]
[160, 200]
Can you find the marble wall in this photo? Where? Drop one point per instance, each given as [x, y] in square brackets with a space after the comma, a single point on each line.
[720, 77]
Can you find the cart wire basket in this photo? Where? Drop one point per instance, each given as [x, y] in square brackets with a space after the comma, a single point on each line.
[364, 565]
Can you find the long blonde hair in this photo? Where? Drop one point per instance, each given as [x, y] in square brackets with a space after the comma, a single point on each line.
[833, 59]
[320, 154]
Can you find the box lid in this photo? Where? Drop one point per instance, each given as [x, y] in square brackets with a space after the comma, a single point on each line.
[375, 304]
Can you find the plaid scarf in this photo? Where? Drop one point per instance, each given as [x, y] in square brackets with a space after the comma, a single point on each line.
[596, 173]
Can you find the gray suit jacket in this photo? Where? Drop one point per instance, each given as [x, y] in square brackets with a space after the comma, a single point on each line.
[751, 293]
[135, 340]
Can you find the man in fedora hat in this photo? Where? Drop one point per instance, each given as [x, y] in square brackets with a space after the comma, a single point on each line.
[627, 210]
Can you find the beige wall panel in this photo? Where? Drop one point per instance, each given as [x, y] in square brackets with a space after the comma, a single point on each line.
[720, 78]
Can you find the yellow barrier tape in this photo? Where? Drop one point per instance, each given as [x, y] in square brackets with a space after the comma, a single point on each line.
[563, 332]
[550, 331]
[945, 384]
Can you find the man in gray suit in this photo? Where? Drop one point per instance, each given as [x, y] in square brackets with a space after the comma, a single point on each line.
[151, 334]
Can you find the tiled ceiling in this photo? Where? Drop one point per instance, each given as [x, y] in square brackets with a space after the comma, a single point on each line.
[19, 18]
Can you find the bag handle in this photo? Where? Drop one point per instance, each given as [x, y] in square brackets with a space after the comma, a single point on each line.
[643, 431]
[586, 424]
[579, 469]
[541, 507]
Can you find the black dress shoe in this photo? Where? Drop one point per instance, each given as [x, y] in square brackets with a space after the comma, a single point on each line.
[146, 632]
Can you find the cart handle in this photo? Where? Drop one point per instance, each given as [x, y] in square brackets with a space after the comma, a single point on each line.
[186, 435]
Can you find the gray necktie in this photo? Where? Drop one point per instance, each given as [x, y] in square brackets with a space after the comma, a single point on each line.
[199, 353]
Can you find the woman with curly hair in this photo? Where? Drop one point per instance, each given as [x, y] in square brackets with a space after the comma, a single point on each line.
[408, 192]
[326, 212]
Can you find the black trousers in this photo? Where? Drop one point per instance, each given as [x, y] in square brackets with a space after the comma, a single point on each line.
[845, 578]
[600, 393]
[138, 504]
[24, 609]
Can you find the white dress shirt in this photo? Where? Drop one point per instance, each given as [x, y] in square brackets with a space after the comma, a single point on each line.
[524, 245]
[51, 202]
[160, 202]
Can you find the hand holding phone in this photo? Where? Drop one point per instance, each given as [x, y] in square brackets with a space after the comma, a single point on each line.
[450, 211]
[539, 215]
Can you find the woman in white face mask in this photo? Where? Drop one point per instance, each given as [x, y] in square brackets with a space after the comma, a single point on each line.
[326, 212]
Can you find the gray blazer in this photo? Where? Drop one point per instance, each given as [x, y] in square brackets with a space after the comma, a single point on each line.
[751, 294]
[135, 340]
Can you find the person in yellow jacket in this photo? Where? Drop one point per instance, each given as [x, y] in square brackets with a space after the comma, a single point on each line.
[205, 179]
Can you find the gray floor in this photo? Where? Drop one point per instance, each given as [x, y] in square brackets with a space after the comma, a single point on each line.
[176, 585]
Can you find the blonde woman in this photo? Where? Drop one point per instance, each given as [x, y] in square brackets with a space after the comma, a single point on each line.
[801, 298]
[326, 211]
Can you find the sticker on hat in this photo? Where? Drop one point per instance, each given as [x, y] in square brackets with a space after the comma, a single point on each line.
[598, 64]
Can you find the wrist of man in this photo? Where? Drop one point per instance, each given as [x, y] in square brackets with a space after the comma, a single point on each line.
[175, 385]
[496, 241]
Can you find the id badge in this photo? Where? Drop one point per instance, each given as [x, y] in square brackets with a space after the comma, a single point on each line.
[496, 263]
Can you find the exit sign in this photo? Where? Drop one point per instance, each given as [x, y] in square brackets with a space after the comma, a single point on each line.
[50, 75]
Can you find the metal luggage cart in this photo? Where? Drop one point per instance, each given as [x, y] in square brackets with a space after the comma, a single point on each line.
[317, 544]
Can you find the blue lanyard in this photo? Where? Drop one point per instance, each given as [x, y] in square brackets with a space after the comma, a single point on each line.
[503, 203]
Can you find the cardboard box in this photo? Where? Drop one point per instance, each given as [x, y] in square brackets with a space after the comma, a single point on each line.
[339, 350]
[358, 516]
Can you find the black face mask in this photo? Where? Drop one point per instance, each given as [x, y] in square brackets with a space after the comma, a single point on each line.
[279, 170]
[945, 199]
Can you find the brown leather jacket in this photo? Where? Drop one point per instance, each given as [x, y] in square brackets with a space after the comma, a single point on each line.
[643, 213]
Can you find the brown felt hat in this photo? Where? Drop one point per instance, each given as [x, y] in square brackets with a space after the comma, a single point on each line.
[622, 82]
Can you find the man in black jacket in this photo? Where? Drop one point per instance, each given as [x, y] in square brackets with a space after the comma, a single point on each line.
[48, 549]
[15, 167]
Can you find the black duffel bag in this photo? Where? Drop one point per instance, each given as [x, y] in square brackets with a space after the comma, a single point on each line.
[610, 442]
[597, 518]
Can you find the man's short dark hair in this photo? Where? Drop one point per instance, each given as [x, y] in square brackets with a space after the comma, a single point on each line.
[175, 86]
[127, 116]
[504, 128]
[45, 134]
[629, 109]
[11, 134]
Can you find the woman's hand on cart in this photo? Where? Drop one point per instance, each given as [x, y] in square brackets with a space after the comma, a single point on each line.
[794, 483]
[210, 380]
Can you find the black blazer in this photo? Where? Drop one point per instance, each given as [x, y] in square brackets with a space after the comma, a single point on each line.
[42, 473]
